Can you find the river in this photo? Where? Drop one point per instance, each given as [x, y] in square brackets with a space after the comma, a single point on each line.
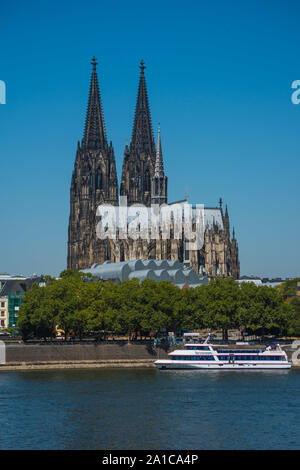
[149, 409]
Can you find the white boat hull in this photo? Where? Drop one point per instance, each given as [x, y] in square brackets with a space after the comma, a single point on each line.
[169, 364]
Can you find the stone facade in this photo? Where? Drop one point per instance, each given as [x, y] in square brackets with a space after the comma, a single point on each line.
[143, 181]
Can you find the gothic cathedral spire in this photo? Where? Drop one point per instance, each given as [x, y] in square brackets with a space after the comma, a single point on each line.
[142, 140]
[94, 132]
[139, 157]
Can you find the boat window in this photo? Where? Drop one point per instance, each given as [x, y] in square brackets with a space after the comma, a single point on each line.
[224, 358]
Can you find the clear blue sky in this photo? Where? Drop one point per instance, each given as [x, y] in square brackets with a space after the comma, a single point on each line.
[219, 80]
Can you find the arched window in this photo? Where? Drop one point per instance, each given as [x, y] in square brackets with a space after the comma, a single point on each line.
[168, 249]
[91, 180]
[99, 180]
[122, 252]
[147, 180]
[138, 177]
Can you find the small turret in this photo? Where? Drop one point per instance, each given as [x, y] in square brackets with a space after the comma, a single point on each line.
[159, 181]
[226, 223]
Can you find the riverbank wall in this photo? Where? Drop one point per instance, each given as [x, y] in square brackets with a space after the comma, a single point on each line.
[83, 352]
[94, 355]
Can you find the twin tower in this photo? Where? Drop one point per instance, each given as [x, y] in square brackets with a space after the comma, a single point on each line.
[94, 179]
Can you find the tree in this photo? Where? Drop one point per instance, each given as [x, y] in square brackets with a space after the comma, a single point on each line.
[222, 304]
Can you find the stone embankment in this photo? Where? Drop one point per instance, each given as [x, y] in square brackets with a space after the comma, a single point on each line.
[108, 364]
[93, 355]
[118, 354]
[294, 353]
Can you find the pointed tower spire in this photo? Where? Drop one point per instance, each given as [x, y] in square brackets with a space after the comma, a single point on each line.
[142, 135]
[159, 165]
[139, 160]
[226, 223]
[94, 132]
[159, 181]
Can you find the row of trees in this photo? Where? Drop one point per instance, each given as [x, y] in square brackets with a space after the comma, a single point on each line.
[78, 306]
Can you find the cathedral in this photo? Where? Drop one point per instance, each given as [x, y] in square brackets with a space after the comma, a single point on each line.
[94, 182]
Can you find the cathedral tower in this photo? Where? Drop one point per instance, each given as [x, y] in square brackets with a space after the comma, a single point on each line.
[140, 156]
[94, 181]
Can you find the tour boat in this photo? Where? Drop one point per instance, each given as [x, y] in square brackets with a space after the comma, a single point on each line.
[209, 356]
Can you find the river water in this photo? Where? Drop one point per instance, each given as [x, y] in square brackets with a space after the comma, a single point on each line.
[149, 409]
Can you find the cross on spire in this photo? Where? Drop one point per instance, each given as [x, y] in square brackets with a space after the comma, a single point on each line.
[142, 66]
[94, 62]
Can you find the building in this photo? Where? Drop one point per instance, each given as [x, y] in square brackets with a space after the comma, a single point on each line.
[143, 181]
[8, 277]
[3, 312]
[158, 270]
[262, 282]
[257, 282]
[12, 291]
[11, 294]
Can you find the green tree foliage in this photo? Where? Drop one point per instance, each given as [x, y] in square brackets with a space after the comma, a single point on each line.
[78, 304]
[288, 287]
